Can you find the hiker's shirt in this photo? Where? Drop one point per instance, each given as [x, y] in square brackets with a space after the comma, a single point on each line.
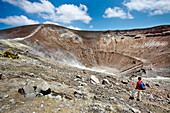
[138, 85]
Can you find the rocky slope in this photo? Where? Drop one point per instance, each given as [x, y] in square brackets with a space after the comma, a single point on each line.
[108, 61]
[125, 51]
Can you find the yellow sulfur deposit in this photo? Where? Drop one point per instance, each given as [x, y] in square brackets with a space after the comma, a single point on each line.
[9, 54]
[1, 54]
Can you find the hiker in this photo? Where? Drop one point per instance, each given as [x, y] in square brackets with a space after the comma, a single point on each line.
[139, 86]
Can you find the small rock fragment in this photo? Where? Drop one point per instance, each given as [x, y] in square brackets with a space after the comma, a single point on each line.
[147, 84]
[94, 79]
[50, 96]
[151, 97]
[125, 81]
[78, 76]
[32, 74]
[58, 97]
[5, 96]
[134, 110]
[112, 98]
[42, 106]
[105, 82]
[69, 96]
[157, 85]
[58, 109]
[109, 108]
[12, 101]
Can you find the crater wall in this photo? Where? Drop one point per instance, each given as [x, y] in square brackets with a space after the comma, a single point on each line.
[127, 51]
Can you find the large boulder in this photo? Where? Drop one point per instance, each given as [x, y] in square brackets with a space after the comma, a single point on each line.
[32, 89]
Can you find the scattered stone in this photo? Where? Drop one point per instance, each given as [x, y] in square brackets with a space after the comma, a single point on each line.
[50, 96]
[151, 97]
[12, 101]
[125, 81]
[109, 108]
[147, 84]
[31, 74]
[83, 84]
[117, 84]
[42, 106]
[105, 82]
[134, 110]
[78, 76]
[58, 109]
[121, 99]
[168, 95]
[5, 96]
[113, 98]
[94, 80]
[78, 92]
[69, 96]
[157, 85]
[58, 97]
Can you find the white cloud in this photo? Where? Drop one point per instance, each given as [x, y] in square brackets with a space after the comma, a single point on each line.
[153, 7]
[48, 22]
[35, 7]
[117, 12]
[75, 28]
[65, 13]
[68, 12]
[17, 20]
[91, 26]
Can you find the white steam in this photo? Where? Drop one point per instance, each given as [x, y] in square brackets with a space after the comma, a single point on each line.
[64, 57]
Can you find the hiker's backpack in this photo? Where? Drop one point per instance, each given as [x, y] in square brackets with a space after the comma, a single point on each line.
[142, 86]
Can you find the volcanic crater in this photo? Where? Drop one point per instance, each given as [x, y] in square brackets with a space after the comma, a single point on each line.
[119, 52]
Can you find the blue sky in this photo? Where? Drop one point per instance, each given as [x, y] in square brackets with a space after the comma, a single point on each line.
[86, 14]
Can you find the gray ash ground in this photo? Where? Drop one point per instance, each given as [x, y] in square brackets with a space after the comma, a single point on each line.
[74, 91]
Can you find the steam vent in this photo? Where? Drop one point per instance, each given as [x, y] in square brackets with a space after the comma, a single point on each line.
[120, 51]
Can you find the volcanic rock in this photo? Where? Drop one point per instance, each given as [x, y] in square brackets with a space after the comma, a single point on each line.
[12, 101]
[5, 96]
[94, 79]
[105, 82]
[32, 89]
[125, 81]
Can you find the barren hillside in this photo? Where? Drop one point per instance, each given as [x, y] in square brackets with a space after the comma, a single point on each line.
[64, 70]
[125, 51]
